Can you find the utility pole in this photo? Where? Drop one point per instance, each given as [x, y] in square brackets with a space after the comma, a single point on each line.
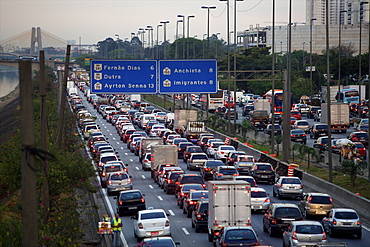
[28, 191]
[63, 99]
[44, 142]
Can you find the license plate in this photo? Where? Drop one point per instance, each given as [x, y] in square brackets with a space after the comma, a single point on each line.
[130, 208]
[291, 188]
[320, 212]
[264, 176]
[299, 139]
[256, 207]
[154, 233]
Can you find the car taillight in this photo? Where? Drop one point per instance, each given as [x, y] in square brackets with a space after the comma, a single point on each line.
[358, 223]
[236, 174]
[142, 200]
[273, 221]
[120, 203]
[334, 222]
[199, 216]
[223, 244]
[181, 194]
[294, 236]
[324, 236]
[204, 185]
[103, 174]
[129, 180]
[167, 223]
[301, 186]
[267, 200]
[109, 182]
[309, 199]
[140, 225]
[191, 202]
[220, 174]
[169, 181]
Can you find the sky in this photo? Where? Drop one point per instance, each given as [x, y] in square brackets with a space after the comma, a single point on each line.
[91, 21]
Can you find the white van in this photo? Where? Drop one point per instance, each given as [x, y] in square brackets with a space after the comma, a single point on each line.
[144, 119]
[143, 105]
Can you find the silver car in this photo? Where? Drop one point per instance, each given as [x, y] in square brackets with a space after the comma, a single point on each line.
[117, 182]
[288, 186]
[342, 220]
[259, 199]
[305, 231]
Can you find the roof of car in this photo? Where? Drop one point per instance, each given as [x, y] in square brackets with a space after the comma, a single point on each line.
[306, 222]
[151, 211]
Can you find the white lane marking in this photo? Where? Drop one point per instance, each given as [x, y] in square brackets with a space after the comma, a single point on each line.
[108, 130]
[118, 143]
[110, 134]
[104, 126]
[122, 148]
[114, 138]
[185, 231]
[137, 168]
[126, 153]
[143, 176]
[131, 160]
[150, 186]
[366, 228]
[171, 212]
[160, 198]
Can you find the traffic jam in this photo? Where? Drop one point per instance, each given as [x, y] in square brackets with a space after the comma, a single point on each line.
[175, 184]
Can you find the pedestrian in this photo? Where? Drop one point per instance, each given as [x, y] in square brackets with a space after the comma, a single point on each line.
[116, 228]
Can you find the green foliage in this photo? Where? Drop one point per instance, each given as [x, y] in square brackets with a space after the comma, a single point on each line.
[69, 174]
[353, 168]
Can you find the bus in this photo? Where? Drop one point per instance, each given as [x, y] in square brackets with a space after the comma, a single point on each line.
[214, 101]
[348, 96]
[278, 100]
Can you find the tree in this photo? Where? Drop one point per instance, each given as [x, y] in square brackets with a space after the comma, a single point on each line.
[304, 150]
[354, 167]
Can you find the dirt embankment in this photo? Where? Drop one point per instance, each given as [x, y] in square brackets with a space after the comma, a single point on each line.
[10, 115]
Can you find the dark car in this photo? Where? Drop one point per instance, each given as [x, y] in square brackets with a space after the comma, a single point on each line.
[318, 130]
[208, 168]
[233, 114]
[130, 201]
[191, 199]
[278, 217]
[182, 147]
[184, 191]
[298, 135]
[220, 110]
[189, 150]
[188, 179]
[237, 236]
[312, 111]
[359, 136]
[232, 157]
[263, 172]
[277, 129]
[199, 217]
[247, 109]
[169, 184]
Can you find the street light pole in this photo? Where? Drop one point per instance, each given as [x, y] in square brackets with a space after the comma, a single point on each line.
[311, 21]
[208, 10]
[217, 44]
[183, 35]
[187, 40]
[159, 25]
[165, 40]
[339, 46]
[177, 36]
[359, 51]
[118, 45]
[150, 28]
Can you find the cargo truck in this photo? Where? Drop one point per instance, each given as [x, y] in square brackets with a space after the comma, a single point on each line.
[333, 93]
[262, 105]
[259, 119]
[339, 113]
[163, 155]
[229, 204]
[181, 119]
[193, 130]
[146, 144]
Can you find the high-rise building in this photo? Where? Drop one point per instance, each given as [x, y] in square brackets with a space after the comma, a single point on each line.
[317, 9]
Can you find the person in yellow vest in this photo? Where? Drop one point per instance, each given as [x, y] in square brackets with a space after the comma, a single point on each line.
[116, 228]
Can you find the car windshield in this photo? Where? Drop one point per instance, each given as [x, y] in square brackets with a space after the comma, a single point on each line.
[246, 159]
[290, 181]
[153, 215]
[321, 127]
[320, 199]
[118, 176]
[199, 195]
[192, 179]
[228, 170]
[287, 213]
[195, 149]
[192, 187]
[108, 158]
[346, 215]
[302, 123]
[113, 168]
[361, 135]
[258, 194]
[214, 163]
[240, 234]
[158, 243]
[264, 167]
[199, 157]
[309, 229]
[227, 148]
[131, 195]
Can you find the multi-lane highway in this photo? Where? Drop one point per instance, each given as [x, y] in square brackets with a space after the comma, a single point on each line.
[180, 225]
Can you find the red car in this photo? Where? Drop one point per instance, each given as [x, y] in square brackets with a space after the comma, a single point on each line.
[226, 103]
[296, 114]
[360, 148]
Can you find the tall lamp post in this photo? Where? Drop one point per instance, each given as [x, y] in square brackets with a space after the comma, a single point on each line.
[217, 44]
[204, 35]
[159, 25]
[359, 50]
[235, 48]
[150, 42]
[311, 21]
[165, 40]
[208, 8]
[339, 46]
[117, 45]
[177, 36]
[183, 35]
[187, 40]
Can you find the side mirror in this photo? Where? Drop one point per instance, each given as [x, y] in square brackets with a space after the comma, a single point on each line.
[134, 217]
[115, 198]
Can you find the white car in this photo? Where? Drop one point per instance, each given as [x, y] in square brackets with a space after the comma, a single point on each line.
[259, 199]
[213, 148]
[303, 125]
[222, 152]
[151, 223]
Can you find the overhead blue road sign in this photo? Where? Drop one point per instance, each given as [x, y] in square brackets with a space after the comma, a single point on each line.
[188, 76]
[123, 76]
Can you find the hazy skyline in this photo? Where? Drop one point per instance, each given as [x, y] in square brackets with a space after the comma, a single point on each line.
[95, 20]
